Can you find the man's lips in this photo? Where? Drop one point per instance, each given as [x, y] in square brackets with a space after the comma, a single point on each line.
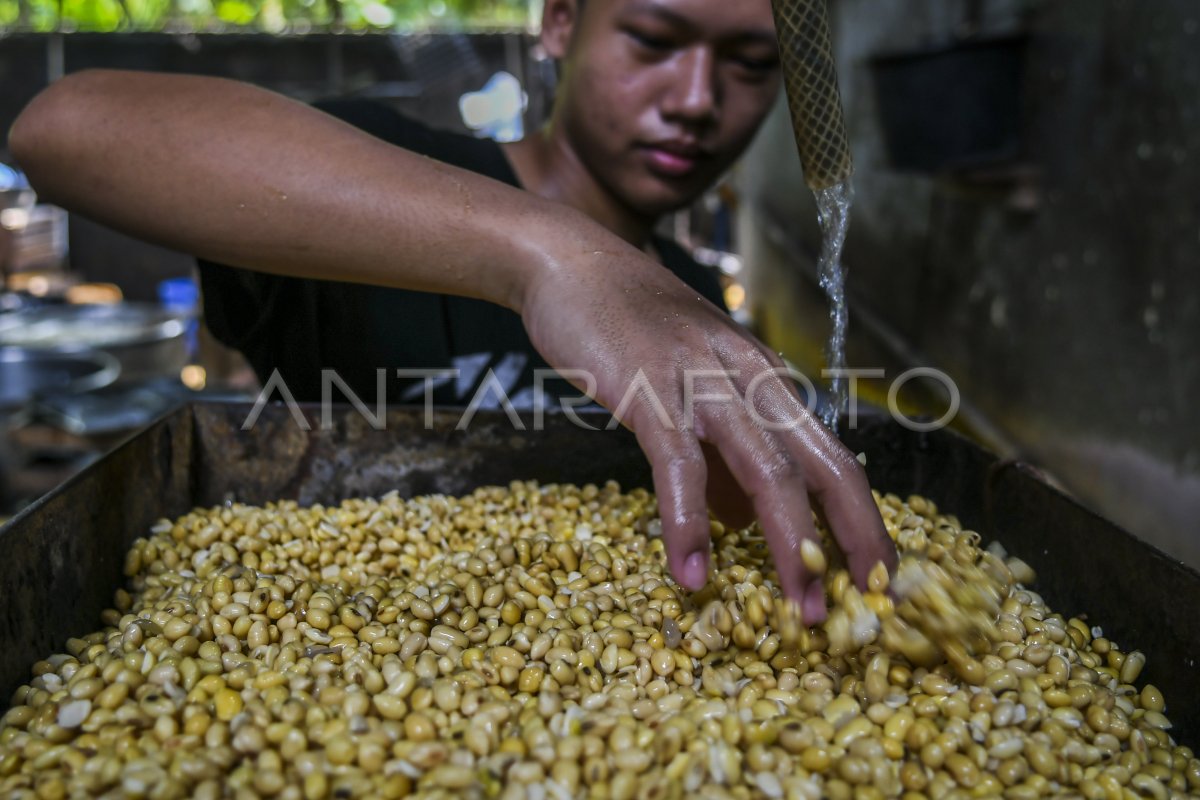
[673, 159]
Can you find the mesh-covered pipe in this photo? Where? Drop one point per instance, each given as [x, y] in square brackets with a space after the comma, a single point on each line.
[812, 91]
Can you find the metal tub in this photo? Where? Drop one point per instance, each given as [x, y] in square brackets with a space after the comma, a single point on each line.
[63, 556]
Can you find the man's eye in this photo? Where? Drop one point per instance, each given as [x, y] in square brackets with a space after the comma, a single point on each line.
[650, 41]
[757, 65]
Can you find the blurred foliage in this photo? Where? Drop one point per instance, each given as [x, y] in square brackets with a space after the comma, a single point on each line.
[272, 16]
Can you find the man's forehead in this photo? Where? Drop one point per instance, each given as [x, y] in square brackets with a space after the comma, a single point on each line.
[748, 14]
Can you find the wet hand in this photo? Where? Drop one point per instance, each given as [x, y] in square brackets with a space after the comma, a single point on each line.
[714, 411]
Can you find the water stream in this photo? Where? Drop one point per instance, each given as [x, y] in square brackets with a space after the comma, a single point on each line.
[833, 212]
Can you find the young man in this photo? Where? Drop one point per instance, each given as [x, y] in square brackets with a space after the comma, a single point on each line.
[657, 99]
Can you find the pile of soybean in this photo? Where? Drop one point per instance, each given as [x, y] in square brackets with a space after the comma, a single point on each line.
[528, 642]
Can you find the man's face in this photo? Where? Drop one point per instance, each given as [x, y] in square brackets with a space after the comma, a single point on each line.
[659, 97]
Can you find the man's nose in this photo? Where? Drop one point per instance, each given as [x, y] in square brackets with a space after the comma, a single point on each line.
[694, 93]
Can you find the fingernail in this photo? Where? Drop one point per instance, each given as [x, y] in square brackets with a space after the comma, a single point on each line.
[695, 570]
[814, 603]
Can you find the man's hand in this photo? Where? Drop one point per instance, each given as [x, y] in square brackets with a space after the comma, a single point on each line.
[710, 405]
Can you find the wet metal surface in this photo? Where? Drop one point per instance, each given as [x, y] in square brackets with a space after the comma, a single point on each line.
[63, 556]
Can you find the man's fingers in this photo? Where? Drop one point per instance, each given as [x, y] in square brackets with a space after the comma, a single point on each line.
[679, 480]
[778, 471]
[812, 607]
[773, 479]
[726, 499]
[839, 486]
[835, 481]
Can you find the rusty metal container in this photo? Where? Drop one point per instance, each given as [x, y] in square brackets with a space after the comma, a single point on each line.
[63, 555]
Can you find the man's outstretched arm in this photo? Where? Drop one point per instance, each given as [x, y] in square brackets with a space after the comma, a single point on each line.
[244, 177]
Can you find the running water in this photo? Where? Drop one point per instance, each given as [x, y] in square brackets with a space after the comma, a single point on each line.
[833, 212]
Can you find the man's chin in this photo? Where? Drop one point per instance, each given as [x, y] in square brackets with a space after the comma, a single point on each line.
[660, 199]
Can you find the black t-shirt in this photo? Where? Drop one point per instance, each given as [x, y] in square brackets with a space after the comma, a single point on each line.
[302, 327]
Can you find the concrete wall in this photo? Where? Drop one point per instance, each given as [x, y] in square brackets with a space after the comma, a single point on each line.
[1060, 290]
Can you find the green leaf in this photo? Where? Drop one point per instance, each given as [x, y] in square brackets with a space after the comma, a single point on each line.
[236, 12]
[269, 15]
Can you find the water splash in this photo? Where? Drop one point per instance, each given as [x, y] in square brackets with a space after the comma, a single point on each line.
[833, 212]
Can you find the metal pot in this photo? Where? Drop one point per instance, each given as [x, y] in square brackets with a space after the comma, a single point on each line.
[27, 374]
[147, 340]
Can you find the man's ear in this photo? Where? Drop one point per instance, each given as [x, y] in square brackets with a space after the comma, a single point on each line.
[559, 19]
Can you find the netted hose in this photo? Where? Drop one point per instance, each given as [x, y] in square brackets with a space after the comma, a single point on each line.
[812, 90]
